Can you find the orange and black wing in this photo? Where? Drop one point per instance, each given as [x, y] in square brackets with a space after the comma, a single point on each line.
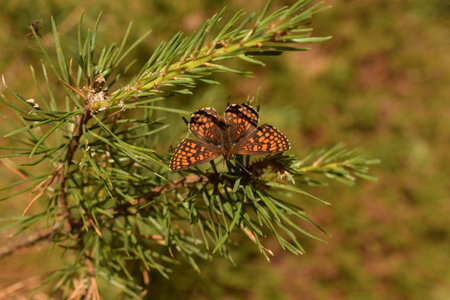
[242, 120]
[265, 139]
[191, 153]
[206, 126]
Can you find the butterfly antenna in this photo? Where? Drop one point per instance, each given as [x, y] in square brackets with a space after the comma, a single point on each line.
[258, 99]
[228, 101]
[249, 173]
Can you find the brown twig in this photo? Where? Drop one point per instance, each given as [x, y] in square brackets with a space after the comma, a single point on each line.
[185, 181]
[28, 241]
[62, 197]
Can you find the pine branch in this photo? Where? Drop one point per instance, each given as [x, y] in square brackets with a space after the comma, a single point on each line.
[28, 241]
[110, 196]
[336, 163]
[180, 64]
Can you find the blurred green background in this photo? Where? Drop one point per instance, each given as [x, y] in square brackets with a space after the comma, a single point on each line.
[382, 83]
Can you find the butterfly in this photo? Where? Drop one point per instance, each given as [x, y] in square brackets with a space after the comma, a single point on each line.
[234, 133]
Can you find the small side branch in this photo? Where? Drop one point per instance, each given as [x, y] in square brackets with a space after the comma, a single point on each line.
[28, 241]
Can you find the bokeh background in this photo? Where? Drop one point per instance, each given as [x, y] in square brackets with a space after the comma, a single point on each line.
[382, 83]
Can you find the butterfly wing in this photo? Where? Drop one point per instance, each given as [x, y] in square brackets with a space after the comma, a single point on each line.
[265, 139]
[206, 126]
[242, 120]
[190, 153]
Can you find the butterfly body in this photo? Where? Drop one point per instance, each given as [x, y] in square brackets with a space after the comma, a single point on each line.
[235, 133]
